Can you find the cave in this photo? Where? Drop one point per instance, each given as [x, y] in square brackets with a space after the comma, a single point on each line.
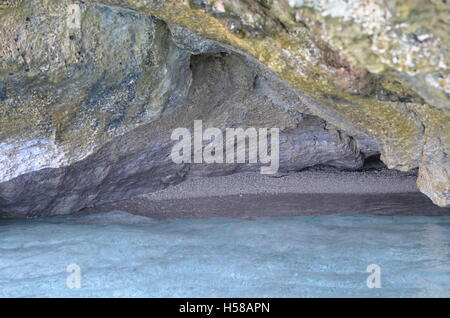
[224, 148]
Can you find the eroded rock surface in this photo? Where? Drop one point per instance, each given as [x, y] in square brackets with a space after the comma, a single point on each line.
[71, 81]
[91, 90]
[226, 91]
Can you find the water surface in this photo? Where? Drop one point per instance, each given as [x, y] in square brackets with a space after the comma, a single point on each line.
[122, 255]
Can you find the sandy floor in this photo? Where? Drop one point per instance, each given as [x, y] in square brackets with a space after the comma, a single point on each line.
[312, 192]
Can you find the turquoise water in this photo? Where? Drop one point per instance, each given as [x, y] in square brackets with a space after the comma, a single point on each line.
[121, 255]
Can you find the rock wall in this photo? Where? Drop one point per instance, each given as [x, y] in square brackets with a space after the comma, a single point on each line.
[91, 90]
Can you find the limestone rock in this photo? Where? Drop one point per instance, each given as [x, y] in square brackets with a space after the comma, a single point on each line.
[90, 90]
[75, 76]
[223, 93]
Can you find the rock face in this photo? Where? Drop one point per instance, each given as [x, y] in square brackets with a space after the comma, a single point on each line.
[90, 91]
[71, 81]
[225, 91]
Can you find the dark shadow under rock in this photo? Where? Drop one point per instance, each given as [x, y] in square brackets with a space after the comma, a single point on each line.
[280, 205]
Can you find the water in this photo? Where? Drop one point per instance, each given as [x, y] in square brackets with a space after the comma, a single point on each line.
[121, 255]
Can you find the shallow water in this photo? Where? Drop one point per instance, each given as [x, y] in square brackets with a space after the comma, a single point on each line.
[122, 255]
